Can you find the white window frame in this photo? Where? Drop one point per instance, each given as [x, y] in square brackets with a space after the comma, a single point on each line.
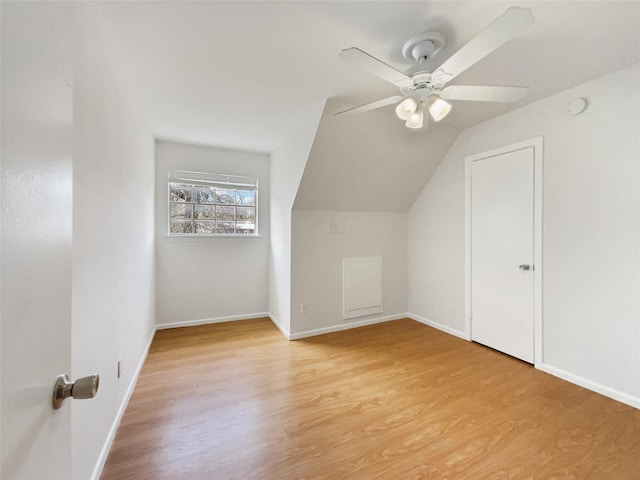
[208, 180]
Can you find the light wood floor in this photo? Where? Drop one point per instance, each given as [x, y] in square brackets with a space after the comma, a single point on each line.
[394, 401]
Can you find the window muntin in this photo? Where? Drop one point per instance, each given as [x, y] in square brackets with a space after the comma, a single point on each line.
[211, 204]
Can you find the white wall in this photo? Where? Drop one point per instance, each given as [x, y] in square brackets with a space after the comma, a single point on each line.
[436, 244]
[287, 165]
[113, 309]
[358, 167]
[591, 231]
[317, 265]
[210, 278]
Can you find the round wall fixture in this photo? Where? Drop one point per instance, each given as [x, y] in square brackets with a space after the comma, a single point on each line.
[576, 106]
[422, 47]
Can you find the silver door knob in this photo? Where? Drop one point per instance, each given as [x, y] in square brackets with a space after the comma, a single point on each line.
[525, 267]
[85, 387]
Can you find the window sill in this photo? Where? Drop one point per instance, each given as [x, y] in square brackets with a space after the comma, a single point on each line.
[211, 238]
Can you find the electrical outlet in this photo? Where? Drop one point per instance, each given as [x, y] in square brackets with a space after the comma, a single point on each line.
[303, 308]
[119, 370]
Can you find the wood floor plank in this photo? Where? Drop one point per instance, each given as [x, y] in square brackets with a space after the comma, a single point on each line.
[397, 400]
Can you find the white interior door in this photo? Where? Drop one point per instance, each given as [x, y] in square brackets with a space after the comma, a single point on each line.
[36, 239]
[502, 252]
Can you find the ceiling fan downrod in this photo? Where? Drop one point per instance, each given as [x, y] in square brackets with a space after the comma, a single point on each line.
[422, 47]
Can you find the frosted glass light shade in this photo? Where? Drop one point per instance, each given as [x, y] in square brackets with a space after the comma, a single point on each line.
[416, 120]
[438, 108]
[406, 108]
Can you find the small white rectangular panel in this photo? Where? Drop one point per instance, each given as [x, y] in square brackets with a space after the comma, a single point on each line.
[361, 286]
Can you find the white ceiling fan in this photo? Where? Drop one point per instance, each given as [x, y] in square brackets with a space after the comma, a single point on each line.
[426, 90]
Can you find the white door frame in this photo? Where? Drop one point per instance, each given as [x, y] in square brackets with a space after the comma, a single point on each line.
[537, 144]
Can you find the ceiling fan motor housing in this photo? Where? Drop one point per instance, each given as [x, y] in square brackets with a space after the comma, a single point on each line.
[423, 86]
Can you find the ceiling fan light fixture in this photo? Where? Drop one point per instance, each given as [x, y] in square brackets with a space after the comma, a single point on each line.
[416, 120]
[438, 108]
[406, 108]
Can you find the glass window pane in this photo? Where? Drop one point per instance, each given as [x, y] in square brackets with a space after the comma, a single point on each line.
[205, 195]
[201, 208]
[225, 197]
[226, 213]
[246, 214]
[181, 226]
[245, 197]
[245, 228]
[181, 211]
[205, 212]
[205, 227]
[181, 193]
[225, 227]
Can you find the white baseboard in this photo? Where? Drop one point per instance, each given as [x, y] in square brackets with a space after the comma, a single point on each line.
[207, 321]
[104, 453]
[556, 372]
[345, 326]
[439, 326]
[284, 331]
[589, 385]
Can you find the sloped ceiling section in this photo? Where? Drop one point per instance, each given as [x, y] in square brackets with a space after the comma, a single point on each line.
[236, 74]
[369, 162]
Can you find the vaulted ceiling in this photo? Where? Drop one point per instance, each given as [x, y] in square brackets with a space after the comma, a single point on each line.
[238, 74]
[370, 162]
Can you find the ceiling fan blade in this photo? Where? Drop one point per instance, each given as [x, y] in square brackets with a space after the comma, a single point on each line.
[499, 32]
[376, 67]
[483, 93]
[371, 106]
